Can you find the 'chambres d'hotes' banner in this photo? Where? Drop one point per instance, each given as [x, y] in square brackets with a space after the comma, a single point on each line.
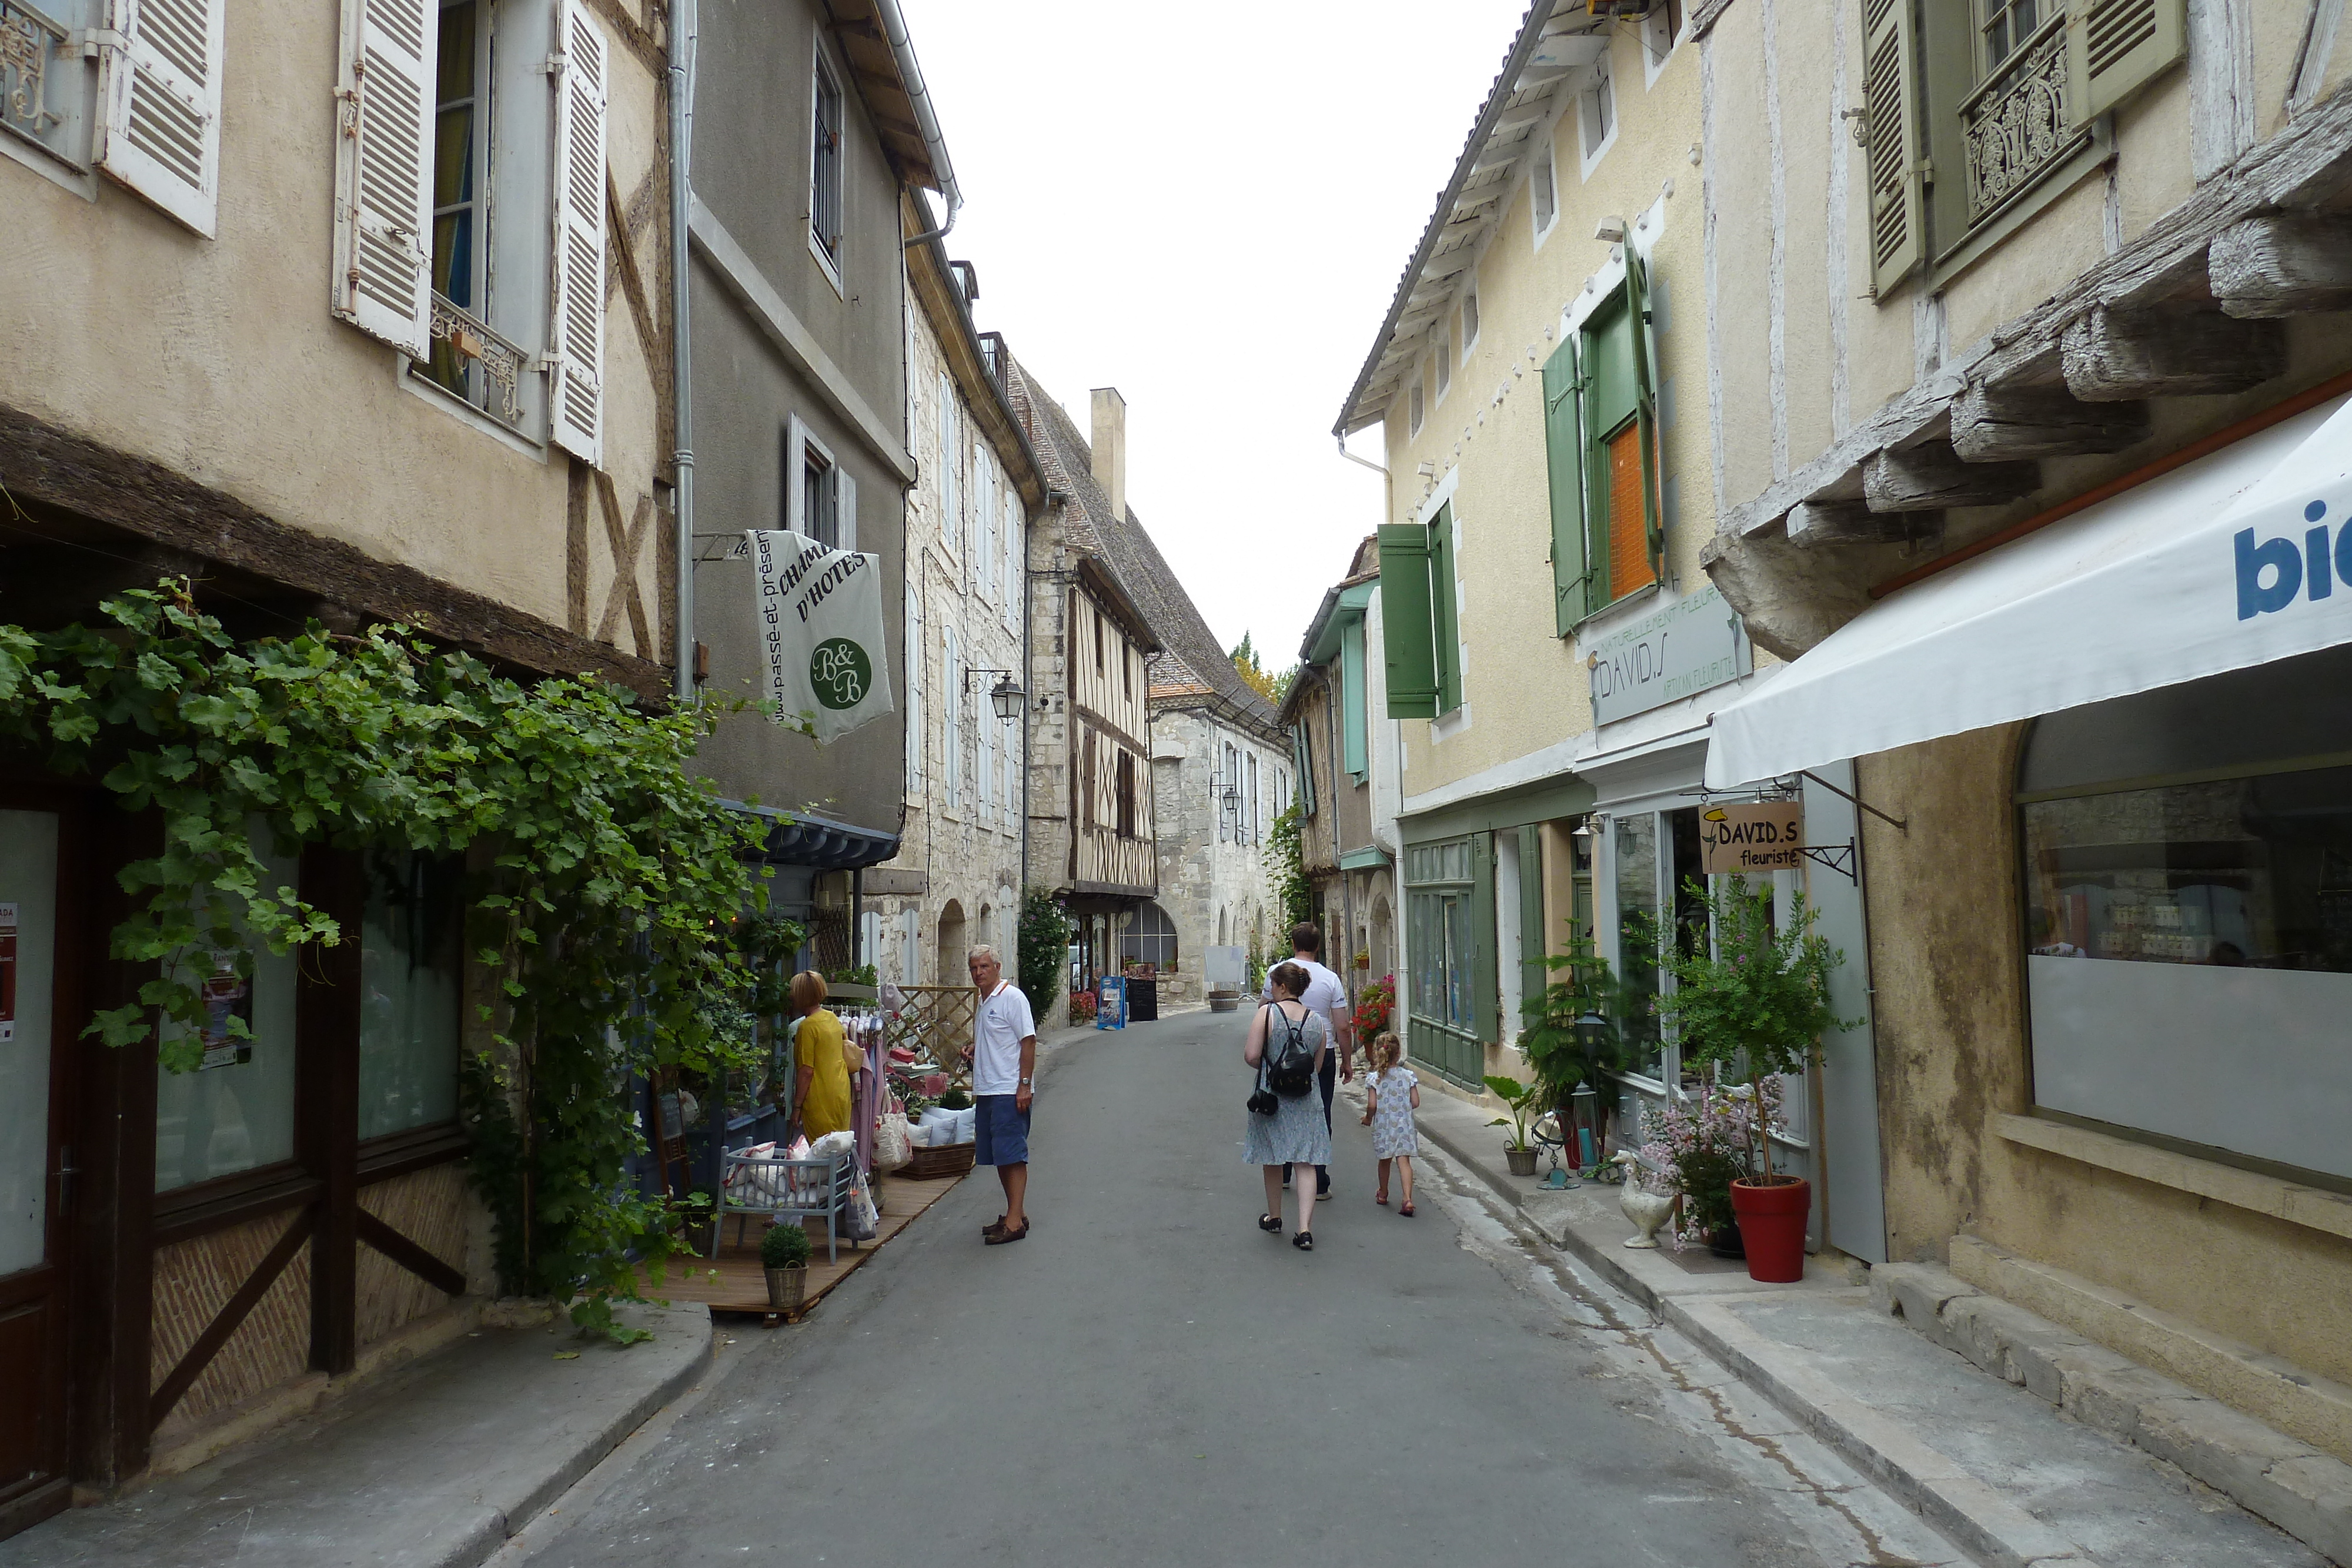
[820, 619]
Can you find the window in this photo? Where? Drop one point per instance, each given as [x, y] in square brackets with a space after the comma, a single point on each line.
[1444, 365]
[950, 491]
[1450, 907]
[984, 518]
[1250, 799]
[1596, 113]
[914, 666]
[1543, 192]
[461, 115]
[1014, 548]
[150, 115]
[411, 973]
[1470, 321]
[1608, 534]
[1097, 616]
[820, 499]
[1989, 92]
[1413, 418]
[2186, 868]
[951, 720]
[1661, 31]
[1126, 794]
[824, 169]
[1419, 609]
[1127, 659]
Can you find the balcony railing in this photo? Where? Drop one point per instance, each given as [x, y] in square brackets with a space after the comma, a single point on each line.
[2015, 126]
[478, 362]
[27, 39]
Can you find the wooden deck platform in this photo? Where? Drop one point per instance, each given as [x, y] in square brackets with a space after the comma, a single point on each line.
[734, 1282]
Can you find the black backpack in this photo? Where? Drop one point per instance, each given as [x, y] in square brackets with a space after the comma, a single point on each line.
[1290, 1064]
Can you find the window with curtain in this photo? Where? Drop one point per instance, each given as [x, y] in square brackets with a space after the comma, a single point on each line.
[412, 973]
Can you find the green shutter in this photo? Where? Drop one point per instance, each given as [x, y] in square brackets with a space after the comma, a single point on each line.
[1897, 163]
[1535, 974]
[1302, 757]
[2114, 47]
[1485, 979]
[1645, 397]
[1407, 640]
[1352, 696]
[1445, 611]
[1564, 443]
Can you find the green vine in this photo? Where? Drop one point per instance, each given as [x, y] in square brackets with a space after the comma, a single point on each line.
[1294, 895]
[1045, 931]
[611, 899]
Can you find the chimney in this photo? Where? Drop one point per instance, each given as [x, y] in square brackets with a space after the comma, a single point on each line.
[1110, 448]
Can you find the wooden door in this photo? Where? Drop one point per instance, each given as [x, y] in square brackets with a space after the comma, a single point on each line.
[38, 1022]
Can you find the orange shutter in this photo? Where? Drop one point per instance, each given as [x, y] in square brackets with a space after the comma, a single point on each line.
[1629, 545]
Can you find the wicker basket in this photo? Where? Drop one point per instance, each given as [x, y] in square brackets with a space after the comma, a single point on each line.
[930, 1164]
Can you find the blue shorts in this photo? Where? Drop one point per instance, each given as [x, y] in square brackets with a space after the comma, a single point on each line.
[999, 1133]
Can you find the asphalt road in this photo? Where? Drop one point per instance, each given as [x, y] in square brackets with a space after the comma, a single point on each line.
[1150, 1380]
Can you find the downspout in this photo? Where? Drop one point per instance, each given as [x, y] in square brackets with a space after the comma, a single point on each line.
[681, 208]
[927, 121]
[1388, 480]
[1335, 693]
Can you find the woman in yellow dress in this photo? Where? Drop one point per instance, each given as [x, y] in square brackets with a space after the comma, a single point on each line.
[822, 1091]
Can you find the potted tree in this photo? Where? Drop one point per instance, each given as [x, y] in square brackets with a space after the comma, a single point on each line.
[1571, 1041]
[1753, 1010]
[783, 1257]
[1525, 1101]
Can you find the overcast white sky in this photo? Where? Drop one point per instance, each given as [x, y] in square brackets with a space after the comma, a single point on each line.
[1208, 210]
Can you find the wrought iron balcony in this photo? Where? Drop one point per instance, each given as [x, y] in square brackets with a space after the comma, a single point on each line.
[2015, 127]
[475, 362]
[27, 39]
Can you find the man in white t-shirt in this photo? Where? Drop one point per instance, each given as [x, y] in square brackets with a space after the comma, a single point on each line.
[1326, 996]
[1003, 1057]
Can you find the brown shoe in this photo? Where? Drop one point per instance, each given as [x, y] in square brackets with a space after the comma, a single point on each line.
[994, 1226]
[999, 1238]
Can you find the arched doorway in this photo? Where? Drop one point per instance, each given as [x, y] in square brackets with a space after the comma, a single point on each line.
[1384, 938]
[952, 970]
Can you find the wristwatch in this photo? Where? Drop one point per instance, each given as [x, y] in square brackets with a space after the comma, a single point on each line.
[1025, 1083]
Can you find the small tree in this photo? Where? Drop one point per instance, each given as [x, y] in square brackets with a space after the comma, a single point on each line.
[1294, 895]
[1561, 1052]
[1045, 947]
[1757, 1006]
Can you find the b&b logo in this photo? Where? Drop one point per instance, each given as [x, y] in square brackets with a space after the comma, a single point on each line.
[2291, 570]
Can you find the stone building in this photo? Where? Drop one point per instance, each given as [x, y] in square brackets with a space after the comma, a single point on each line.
[1090, 805]
[956, 878]
[249, 349]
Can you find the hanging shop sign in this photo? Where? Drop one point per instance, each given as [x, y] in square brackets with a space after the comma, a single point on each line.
[820, 620]
[8, 973]
[1676, 650]
[1748, 840]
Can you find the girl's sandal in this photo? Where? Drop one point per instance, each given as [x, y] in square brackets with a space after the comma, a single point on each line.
[1381, 1198]
[1406, 1211]
[1304, 1241]
[1270, 1223]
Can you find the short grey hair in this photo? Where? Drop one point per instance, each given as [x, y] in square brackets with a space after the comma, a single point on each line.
[981, 950]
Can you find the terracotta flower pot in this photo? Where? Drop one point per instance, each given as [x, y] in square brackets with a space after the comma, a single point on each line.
[1772, 1228]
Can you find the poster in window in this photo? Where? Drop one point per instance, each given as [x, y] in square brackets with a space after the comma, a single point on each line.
[8, 973]
[227, 995]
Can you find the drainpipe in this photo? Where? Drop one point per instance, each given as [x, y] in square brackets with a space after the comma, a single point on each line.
[927, 121]
[1388, 480]
[1334, 693]
[681, 205]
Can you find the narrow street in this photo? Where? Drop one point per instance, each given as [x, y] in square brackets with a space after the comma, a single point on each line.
[1150, 1380]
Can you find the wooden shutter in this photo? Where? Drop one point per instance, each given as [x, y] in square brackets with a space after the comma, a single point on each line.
[796, 477]
[158, 132]
[2114, 47]
[1535, 974]
[575, 336]
[1485, 997]
[1898, 185]
[1445, 611]
[1409, 644]
[1645, 397]
[383, 172]
[1302, 758]
[1564, 444]
[844, 506]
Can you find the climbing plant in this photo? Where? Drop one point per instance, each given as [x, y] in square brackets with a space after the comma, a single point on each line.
[610, 897]
[1045, 931]
[1294, 895]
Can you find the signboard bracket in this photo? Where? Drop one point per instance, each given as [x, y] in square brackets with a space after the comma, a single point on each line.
[1898, 824]
[1838, 858]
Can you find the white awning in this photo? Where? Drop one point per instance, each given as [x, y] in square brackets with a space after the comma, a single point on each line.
[2233, 560]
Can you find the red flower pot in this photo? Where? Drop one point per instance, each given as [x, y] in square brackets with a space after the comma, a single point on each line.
[1772, 1226]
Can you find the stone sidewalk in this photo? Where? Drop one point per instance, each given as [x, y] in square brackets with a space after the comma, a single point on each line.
[1980, 1457]
[435, 1468]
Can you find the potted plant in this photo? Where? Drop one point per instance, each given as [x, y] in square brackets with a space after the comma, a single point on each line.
[1572, 1041]
[1698, 1150]
[1373, 1006]
[1363, 958]
[1754, 1009]
[783, 1257]
[1525, 1101]
[955, 1100]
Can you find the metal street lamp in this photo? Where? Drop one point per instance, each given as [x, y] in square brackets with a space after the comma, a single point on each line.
[1008, 698]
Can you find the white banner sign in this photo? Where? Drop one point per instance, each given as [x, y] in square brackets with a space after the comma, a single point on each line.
[820, 619]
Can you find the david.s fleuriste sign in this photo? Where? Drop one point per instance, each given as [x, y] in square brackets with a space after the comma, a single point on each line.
[820, 619]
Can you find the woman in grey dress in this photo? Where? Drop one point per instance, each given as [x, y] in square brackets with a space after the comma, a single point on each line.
[1295, 1134]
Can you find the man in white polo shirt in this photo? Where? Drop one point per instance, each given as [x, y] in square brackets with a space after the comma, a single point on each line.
[1003, 1057]
[1326, 996]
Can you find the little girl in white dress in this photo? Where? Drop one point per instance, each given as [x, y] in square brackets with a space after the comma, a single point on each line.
[1391, 1094]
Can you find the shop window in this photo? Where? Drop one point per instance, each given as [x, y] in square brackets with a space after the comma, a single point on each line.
[1600, 435]
[1419, 609]
[1449, 911]
[235, 1112]
[411, 980]
[1994, 97]
[2187, 869]
[1634, 850]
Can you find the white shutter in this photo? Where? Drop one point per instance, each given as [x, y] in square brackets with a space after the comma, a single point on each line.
[984, 519]
[575, 336]
[952, 737]
[914, 644]
[160, 132]
[844, 509]
[383, 171]
[795, 480]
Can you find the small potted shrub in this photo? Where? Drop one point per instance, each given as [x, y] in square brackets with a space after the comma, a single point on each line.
[1526, 1103]
[783, 1257]
[955, 1100]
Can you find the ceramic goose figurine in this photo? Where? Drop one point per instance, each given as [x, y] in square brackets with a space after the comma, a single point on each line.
[1647, 1210]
